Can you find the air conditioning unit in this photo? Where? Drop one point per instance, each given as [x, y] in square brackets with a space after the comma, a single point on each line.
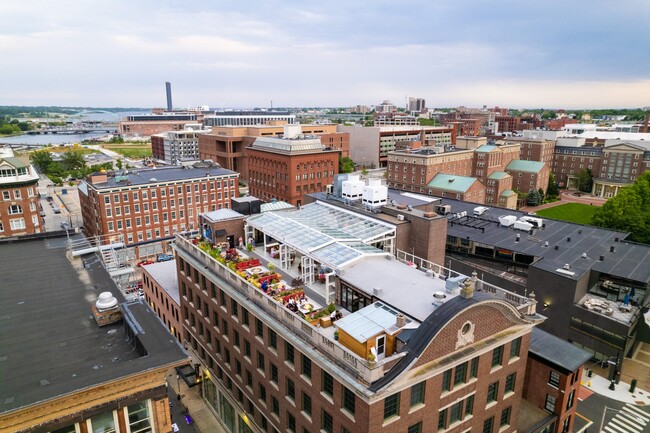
[400, 217]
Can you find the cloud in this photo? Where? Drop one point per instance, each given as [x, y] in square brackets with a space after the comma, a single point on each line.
[470, 52]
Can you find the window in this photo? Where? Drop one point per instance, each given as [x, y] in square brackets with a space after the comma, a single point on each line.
[565, 424]
[291, 422]
[274, 374]
[103, 423]
[259, 328]
[446, 380]
[569, 403]
[460, 373]
[306, 404]
[488, 424]
[554, 379]
[415, 428]
[306, 366]
[328, 384]
[139, 418]
[15, 209]
[348, 400]
[260, 361]
[291, 389]
[510, 383]
[515, 347]
[289, 353]
[19, 224]
[456, 412]
[549, 405]
[473, 369]
[505, 417]
[391, 406]
[244, 317]
[469, 405]
[417, 394]
[247, 349]
[273, 339]
[262, 393]
[493, 392]
[497, 356]
[442, 419]
[328, 423]
[275, 406]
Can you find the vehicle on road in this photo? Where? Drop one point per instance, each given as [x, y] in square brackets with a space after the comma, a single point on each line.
[65, 225]
[164, 257]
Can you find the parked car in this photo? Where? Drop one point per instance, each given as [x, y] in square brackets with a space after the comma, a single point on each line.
[164, 257]
[145, 262]
[65, 225]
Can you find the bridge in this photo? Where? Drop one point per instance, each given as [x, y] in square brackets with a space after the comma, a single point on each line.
[73, 130]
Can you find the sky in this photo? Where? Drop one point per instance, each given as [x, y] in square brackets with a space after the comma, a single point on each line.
[247, 53]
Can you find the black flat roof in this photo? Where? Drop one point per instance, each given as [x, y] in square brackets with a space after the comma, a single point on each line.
[167, 174]
[558, 352]
[628, 260]
[50, 345]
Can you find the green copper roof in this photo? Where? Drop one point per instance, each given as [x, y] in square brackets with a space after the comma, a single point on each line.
[14, 162]
[486, 148]
[527, 166]
[498, 175]
[507, 193]
[451, 182]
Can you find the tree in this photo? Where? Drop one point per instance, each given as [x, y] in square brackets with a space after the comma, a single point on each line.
[584, 181]
[346, 165]
[629, 211]
[533, 198]
[552, 190]
[41, 159]
[119, 164]
[72, 160]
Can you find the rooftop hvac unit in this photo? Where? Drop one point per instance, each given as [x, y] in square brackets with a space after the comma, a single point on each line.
[507, 220]
[400, 217]
[522, 225]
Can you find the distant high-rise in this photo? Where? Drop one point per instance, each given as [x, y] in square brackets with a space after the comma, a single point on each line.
[416, 104]
[168, 89]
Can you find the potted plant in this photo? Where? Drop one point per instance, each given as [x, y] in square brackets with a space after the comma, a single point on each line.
[371, 359]
[336, 334]
[271, 266]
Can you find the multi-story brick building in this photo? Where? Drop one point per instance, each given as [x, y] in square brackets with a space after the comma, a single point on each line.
[553, 377]
[290, 167]
[248, 118]
[156, 123]
[528, 175]
[227, 145]
[19, 206]
[153, 204]
[63, 370]
[418, 170]
[160, 286]
[534, 149]
[175, 146]
[390, 363]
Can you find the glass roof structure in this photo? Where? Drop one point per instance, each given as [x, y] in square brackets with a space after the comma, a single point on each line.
[331, 235]
[368, 322]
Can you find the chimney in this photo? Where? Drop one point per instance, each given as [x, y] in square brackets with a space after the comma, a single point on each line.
[400, 320]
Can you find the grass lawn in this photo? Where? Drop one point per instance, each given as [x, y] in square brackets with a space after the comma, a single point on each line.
[133, 153]
[572, 212]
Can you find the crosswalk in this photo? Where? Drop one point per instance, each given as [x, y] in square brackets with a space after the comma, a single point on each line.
[630, 419]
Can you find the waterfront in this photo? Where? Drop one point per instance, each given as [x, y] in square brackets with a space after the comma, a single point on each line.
[45, 139]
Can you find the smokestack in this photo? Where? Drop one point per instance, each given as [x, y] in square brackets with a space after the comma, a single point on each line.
[168, 89]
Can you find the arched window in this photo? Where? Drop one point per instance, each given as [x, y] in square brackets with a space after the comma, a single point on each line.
[15, 209]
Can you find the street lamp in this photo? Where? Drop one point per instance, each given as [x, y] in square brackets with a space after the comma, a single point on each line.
[178, 387]
[602, 420]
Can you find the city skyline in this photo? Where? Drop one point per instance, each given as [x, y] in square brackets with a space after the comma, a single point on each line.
[469, 53]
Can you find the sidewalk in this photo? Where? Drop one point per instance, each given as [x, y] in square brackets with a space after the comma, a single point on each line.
[599, 384]
[204, 419]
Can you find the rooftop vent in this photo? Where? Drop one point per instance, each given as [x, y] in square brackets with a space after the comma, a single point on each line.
[153, 179]
[602, 258]
[106, 301]
[546, 243]
[612, 249]
[439, 298]
[451, 180]
[566, 266]
[584, 255]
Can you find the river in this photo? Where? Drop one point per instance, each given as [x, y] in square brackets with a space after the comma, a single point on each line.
[45, 139]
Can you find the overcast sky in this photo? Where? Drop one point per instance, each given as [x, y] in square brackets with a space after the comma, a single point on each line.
[534, 54]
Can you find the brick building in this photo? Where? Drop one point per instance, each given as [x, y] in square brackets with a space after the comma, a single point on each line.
[288, 168]
[534, 149]
[160, 286]
[64, 372]
[226, 145]
[153, 204]
[19, 206]
[150, 124]
[268, 368]
[553, 377]
[528, 175]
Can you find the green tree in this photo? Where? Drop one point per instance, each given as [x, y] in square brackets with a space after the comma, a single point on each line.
[533, 198]
[552, 190]
[41, 159]
[119, 164]
[72, 160]
[629, 211]
[584, 181]
[346, 165]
